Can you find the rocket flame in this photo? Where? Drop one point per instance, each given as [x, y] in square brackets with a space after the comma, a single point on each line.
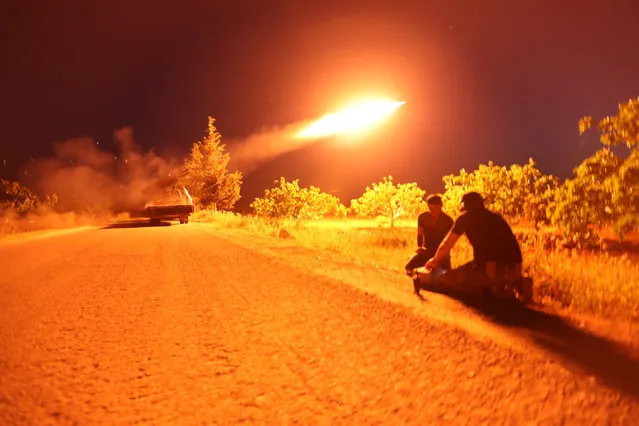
[355, 118]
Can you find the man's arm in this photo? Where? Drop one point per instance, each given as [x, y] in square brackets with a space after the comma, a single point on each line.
[444, 248]
[450, 223]
[458, 229]
[420, 230]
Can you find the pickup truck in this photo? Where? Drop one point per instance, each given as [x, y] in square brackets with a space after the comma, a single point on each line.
[168, 210]
[156, 214]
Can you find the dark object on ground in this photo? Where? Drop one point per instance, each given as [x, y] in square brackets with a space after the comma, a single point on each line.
[519, 291]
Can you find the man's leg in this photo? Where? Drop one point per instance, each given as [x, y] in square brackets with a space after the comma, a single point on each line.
[525, 289]
[509, 278]
[415, 262]
[467, 278]
[423, 279]
[495, 280]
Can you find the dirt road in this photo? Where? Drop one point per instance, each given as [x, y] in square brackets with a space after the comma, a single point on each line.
[172, 325]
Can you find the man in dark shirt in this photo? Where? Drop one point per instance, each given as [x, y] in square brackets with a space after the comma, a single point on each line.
[432, 228]
[497, 256]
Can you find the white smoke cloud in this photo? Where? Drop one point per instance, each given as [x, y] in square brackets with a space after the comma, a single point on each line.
[249, 153]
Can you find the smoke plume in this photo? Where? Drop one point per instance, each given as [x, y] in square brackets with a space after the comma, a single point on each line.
[89, 179]
[356, 118]
[248, 153]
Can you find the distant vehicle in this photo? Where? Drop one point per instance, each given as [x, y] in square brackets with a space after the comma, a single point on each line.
[168, 209]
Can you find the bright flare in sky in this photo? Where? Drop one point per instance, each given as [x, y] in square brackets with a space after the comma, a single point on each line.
[355, 118]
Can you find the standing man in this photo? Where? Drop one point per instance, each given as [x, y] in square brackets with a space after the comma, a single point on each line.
[432, 228]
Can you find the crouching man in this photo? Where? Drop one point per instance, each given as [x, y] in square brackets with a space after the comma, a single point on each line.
[432, 228]
[497, 264]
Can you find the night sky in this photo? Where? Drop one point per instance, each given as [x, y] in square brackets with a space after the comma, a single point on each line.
[482, 80]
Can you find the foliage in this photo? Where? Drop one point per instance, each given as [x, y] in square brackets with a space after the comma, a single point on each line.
[582, 205]
[605, 189]
[624, 187]
[389, 200]
[620, 129]
[231, 220]
[519, 193]
[21, 200]
[287, 200]
[578, 211]
[207, 176]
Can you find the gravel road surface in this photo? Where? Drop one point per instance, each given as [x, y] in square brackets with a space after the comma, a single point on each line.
[173, 325]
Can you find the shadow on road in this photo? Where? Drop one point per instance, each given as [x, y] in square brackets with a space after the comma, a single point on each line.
[611, 363]
[135, 224]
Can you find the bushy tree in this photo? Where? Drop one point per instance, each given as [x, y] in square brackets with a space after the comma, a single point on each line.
[207, 177]
[287, 200]
[624, 188]
[520, 193]
[21, 200]
[579, 210]
[605, 189]
[389, 200]
[583, 204]
[620, 129]
[622, 183]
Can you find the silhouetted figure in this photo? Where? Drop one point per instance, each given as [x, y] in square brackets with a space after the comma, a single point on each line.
[432, 228]
[497, 262]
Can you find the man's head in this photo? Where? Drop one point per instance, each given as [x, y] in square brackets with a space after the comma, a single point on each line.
[472, 201]
[434, 204]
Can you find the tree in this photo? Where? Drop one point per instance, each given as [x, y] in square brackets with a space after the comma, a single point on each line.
[536, 190]
[620, 129]
[207, 176]
[520, 193]
[578, 209]
[624, 187]
[287, 200]
[21, 200]
[613, 178]
[389, 200]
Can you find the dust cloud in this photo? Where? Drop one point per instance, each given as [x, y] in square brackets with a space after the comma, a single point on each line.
[11, 223]
[93, 185]
[87, 179]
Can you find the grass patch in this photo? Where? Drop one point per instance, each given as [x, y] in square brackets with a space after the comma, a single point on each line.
[599, 283]
[238, 221]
